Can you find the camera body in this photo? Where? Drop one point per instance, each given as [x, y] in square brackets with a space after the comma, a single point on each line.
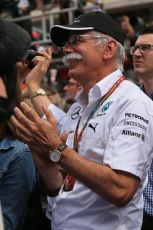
[30, 54]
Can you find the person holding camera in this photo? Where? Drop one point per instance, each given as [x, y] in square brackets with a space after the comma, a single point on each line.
[95, 159]
[17, 168]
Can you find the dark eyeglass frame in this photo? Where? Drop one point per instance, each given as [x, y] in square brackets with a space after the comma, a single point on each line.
[76, 38]
[143, 48]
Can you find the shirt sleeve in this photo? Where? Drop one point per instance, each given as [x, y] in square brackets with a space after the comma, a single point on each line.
[58, 114]
[129, 147]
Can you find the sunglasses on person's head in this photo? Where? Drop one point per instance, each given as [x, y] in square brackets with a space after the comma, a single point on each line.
[143, 48]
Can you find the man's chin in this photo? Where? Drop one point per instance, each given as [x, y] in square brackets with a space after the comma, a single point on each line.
[139, 70]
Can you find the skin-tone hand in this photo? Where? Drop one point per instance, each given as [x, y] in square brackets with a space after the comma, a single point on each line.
[30, 128]
[34, 76]
[22, 70]
[41, 66]
[127, 27]
[41, 137]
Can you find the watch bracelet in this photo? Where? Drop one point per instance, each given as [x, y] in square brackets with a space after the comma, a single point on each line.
[61, 147]
[36, 93]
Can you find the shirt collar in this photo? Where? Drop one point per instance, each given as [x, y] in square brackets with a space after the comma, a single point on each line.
[143, 89]
[99, 89]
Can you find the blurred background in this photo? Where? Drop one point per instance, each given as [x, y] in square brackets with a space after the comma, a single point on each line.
[37, 17]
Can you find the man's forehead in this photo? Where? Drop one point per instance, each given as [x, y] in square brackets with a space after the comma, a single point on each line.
[145, 37]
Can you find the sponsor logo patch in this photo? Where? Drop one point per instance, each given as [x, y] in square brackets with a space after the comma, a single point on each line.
[76, 113]
[133, 115]
[106, 107]
[93, 127]
[130, 133]
[134, 123]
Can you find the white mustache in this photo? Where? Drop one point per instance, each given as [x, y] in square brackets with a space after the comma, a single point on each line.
[71, 57]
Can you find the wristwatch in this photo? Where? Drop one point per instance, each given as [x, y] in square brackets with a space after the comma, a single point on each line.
[56, 154]
[38, 92]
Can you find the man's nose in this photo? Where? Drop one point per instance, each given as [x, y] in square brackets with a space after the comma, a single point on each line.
[137, 52]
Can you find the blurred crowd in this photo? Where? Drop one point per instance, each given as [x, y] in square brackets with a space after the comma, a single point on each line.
[60, 89]
[57, 76]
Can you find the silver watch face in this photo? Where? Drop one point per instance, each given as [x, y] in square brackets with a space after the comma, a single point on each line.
[55, 155]
[41, 91]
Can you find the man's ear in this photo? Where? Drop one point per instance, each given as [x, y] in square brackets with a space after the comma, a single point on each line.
[110, 49]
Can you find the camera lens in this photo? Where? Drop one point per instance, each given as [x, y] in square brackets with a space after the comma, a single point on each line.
[29, 56]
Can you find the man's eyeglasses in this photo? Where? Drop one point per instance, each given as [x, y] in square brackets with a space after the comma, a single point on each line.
[76, 38]
[143, 48]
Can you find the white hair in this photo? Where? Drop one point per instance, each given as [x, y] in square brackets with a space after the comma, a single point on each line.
[120, 51]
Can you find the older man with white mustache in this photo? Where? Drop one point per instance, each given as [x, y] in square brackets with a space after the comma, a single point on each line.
[94, 160]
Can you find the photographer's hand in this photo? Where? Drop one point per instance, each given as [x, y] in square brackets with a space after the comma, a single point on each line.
[41, 63]
[35, 77]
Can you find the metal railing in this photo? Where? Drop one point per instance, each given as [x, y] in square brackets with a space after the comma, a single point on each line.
[44, 20]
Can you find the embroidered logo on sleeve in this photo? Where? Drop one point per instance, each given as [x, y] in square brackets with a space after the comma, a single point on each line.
[131, 133]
